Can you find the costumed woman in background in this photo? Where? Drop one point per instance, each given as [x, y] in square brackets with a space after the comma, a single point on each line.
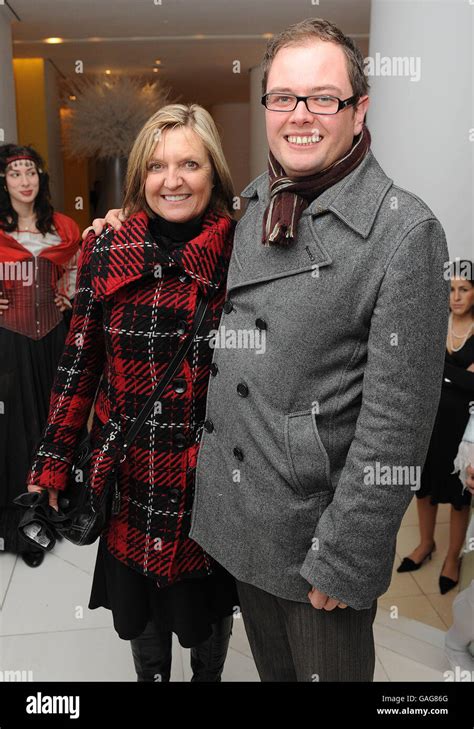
[38, 258]
[439, 483]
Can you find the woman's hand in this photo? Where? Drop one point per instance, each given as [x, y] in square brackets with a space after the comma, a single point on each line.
[471, 368]
[3, 303]
[62, 302]
[52, 494]
[114, 218]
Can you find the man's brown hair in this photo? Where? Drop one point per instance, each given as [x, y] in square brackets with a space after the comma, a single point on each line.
[318, 29]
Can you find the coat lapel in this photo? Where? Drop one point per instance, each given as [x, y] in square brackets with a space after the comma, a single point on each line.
[122, 257]
[206, 258]
[253, 262]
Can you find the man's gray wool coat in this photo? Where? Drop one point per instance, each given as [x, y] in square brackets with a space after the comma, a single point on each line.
[315, 437]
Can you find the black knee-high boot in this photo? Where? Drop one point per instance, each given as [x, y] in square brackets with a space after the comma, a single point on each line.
[207, 658]
[151, 653]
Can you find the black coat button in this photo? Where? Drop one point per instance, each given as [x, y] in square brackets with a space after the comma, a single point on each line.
[214, 369]
[180, 326]
[238, 454]
[228, 306]
[209, 426]
[179, 439]
[260, 323]
[174, 496]
[180, 385]
[242, 389]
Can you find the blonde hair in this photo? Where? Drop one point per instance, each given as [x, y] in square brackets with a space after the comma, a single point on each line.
[173, 116]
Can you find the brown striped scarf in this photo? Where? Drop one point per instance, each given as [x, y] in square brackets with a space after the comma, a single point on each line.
[288, 198]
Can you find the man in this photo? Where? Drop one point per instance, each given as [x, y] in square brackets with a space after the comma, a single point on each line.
[313, 448]
[315, 437]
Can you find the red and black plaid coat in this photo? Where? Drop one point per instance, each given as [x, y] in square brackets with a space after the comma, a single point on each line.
[130, 314]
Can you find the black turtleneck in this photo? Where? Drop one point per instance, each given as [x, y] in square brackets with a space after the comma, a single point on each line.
[174, 235]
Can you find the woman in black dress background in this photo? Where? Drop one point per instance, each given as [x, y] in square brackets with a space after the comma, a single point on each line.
[439, 485]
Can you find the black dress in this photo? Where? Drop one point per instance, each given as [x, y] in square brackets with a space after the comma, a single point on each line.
[188, 607]
[437, 479]
[27, 370]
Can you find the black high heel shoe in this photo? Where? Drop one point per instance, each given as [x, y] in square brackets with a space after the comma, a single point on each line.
[408, 565]
[446, 583]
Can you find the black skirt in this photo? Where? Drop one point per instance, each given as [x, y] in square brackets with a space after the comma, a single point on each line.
[437, 480]
[27, 370]
[187, 608]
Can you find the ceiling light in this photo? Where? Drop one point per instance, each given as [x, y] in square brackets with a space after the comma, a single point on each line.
[108, 71]
[54, 40]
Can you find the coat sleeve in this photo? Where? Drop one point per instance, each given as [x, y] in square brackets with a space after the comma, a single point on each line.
[353, 549]
[75, 384]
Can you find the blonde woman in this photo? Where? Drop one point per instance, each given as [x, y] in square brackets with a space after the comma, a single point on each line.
[138, 290]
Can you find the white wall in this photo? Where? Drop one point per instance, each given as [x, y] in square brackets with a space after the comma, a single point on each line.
[232, 121]
[420, 129]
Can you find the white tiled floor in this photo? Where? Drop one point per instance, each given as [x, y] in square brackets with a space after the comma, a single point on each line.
[47, 628]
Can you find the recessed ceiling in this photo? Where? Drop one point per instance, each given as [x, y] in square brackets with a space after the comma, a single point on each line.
[128, 36]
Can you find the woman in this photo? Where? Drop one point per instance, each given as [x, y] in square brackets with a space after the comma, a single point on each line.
[130, 315]
[439, 485]
[38, 257]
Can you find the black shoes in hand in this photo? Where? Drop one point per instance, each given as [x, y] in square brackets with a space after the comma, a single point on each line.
[33, 559]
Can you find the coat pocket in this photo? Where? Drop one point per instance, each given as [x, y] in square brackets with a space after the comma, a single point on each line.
[308, 461]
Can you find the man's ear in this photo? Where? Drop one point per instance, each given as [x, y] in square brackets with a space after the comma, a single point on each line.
[360, 110]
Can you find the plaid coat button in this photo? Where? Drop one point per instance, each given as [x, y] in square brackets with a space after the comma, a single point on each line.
[179, 439]
[180, 385]
[180, 326]
[174, 496]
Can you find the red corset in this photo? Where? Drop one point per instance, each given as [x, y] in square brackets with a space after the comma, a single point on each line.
[31, 308]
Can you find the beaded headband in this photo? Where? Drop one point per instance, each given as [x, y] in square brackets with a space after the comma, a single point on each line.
[16, 158]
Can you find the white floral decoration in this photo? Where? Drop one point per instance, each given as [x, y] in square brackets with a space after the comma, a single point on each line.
[105, 116]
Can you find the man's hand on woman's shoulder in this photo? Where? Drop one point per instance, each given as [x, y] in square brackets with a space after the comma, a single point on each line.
[114, 218]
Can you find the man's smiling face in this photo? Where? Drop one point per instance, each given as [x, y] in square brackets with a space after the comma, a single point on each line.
[318, 67]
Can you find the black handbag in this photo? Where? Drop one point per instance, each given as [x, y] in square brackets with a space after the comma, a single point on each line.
[82, 514]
